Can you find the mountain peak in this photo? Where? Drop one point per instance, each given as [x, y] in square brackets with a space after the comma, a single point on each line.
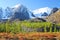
[17, 6]
[41, 10]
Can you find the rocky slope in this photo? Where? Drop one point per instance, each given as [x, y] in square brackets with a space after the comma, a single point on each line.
[54, 18]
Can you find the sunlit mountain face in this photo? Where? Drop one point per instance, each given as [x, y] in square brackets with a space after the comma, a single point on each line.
[42, 12]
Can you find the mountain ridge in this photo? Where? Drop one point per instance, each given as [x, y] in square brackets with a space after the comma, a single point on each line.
[22, 13]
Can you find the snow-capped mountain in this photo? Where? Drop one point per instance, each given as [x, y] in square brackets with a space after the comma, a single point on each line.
[17, 12]
[21, 12]
[7, 13]
[42, 12]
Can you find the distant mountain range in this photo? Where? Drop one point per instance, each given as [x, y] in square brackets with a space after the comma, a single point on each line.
[22, 13]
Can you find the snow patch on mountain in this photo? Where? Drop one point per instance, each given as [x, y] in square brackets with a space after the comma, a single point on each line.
[16, 6]
[42, 10]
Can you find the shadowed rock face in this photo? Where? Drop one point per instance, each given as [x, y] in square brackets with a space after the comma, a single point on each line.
[20, 13]
[21, 16]
[45, 14]
[54, 10]
[37, 20]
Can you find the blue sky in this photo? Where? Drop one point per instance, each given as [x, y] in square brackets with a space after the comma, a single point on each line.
[31, 4]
